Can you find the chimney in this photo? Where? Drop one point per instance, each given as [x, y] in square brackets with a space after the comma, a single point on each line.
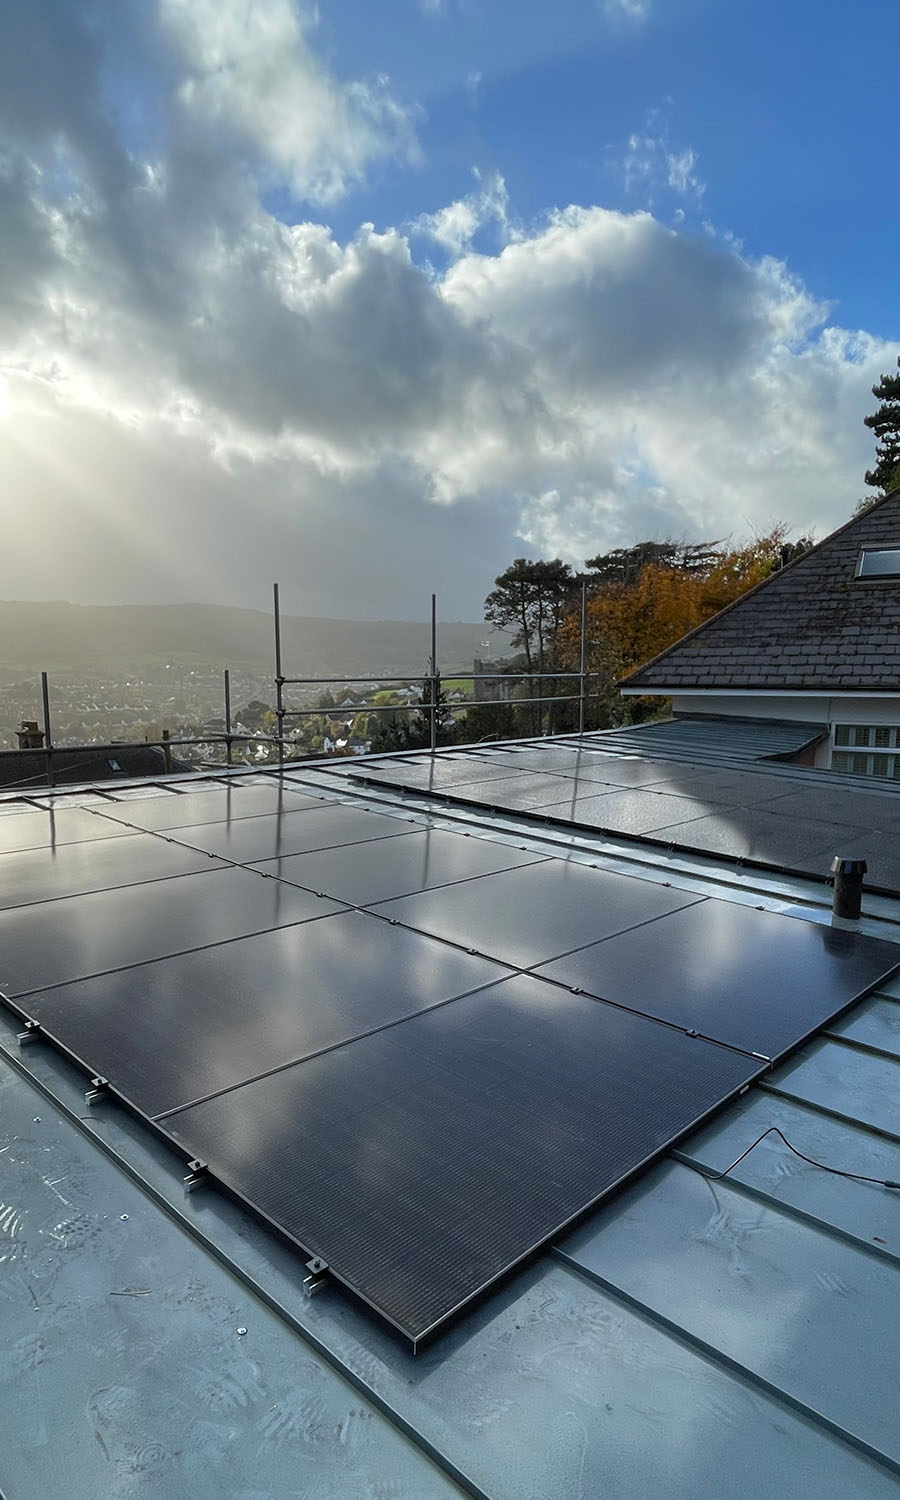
[30, 737]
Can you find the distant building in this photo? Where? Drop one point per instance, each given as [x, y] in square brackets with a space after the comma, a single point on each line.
[29, 735]
[489, 689]
[26, 769]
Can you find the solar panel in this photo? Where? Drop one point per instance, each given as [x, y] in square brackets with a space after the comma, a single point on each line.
[93, 865]
[751, 979]
[525, 917]
[381, 1095]
[384, 868]
[68, 939]
[46, 830]
[770, 818]
[169, 1032]
[753, 833]
[267, 837]
[220, 805]
[424, 1161]
[442, 771]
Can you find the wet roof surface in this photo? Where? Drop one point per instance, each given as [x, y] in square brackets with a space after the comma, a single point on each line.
[719, 1339]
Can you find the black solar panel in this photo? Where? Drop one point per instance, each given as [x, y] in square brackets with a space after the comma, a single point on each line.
[269, 837]
[57, 941]
[424, 1161]
[419, 1137]
[383, 868]
[772, 819]
[47, 830]
[169, 1032]
[528, 916]
[748, 978]
[219, 805]
[93, 865]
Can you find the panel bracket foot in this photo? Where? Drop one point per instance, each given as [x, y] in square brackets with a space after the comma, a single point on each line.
[318, 1276]
[98, 1091]
[197, 1175]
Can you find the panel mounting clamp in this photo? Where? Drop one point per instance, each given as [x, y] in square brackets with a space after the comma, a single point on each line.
[32, 1033]
[98, 1091]
[318, 1275]
[197, 1175]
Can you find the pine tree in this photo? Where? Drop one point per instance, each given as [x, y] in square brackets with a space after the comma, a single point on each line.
[885, 423]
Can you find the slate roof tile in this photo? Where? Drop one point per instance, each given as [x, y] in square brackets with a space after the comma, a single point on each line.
[811, 626]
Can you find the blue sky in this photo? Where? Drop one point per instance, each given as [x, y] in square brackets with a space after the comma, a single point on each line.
[375, 297]
[781, 103]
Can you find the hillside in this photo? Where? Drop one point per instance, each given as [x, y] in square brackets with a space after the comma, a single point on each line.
[80, 638]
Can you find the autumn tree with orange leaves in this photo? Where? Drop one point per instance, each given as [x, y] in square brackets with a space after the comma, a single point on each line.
[630, 622]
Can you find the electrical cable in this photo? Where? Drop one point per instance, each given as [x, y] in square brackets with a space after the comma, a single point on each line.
[885, 1182]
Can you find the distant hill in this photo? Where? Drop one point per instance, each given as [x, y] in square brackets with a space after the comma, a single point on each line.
[83, 637]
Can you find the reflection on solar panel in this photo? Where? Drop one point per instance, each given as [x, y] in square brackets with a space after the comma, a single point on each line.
[771, 818]
[181, 1028]
[527, 916]
[747, 978]
[365, 1079]
[424, 1161]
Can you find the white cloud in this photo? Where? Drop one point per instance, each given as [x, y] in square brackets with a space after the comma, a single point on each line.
[649, 163]
[252, 76]
[632, 11]
[455, 226]
[200, 397]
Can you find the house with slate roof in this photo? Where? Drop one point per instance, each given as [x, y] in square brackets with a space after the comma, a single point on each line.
[817, 643]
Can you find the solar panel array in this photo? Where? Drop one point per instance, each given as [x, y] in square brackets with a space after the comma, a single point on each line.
[795, 823]
[329, 1004]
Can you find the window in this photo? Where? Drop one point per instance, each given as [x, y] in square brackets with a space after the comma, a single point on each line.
[879, 562]
[883, 737]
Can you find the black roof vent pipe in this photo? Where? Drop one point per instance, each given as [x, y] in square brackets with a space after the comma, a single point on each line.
[848, 886]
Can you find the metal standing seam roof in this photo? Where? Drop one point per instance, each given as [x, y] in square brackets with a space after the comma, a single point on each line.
[811, 627]
[703, 1338]
[708, 738]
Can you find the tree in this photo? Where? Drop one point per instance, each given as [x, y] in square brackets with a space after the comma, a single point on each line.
[629, 623]
[532, 598]
[412, 731]
[624, 564]
[885, 423]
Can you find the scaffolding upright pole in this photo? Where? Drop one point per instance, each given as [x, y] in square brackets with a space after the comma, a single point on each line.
[48, 737]
[434, 675]
[583, 645]
[226, 677]
[279, 677]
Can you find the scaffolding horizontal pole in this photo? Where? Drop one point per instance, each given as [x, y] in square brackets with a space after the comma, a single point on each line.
[515, 702]
[514, 676]
[361, 708]
[426, 677]
[348, 681]
[412, 708]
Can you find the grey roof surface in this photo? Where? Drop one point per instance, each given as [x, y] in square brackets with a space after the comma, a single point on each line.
[813, 626]
[75, 765]
[710, 737]
[707, 1340]
[691, 790]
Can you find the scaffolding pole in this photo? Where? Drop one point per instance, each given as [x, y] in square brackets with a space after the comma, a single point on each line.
[279, 677]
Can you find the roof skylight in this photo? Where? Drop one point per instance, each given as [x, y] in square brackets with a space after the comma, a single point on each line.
[879, 562]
